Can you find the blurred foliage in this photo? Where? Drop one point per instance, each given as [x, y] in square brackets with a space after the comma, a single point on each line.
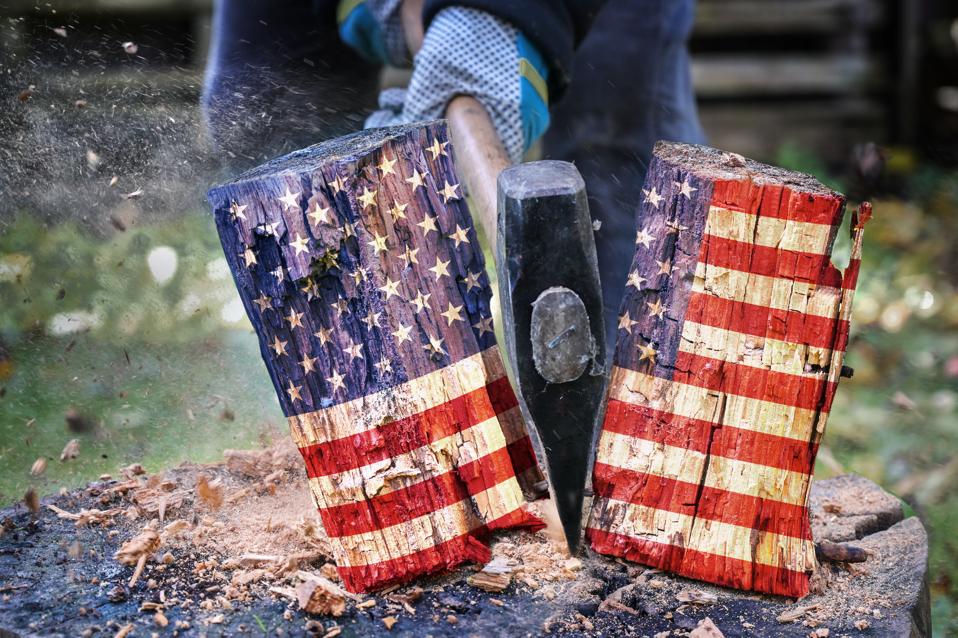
[134, 343]
[895, 420]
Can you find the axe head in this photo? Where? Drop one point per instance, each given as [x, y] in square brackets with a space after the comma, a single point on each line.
[552, 319]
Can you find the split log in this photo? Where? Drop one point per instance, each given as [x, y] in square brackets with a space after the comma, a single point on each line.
[359, 267]
[730, 346]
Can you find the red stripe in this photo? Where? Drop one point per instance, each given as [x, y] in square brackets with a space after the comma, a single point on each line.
[809, 393]
[730, 572]
[769, 261]
[522, 455]
[419, 499]
[703, 502]
[850, 277]
[759, 321]
[778, 202]
[404, 435]
[443, 556]
[706, 437]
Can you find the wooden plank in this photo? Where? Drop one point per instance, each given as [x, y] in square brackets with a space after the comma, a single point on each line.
[714, 419]
[774, 17]
[743, 75]
[360, 269]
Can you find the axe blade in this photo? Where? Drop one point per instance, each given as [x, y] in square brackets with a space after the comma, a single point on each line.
[552, 316]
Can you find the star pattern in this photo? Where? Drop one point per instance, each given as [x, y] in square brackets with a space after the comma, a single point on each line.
[685, 189]
[440, 269]
[419, 305]
[647, 352]
[390, 288]
[652, 197]
[626, 322]
[636, 280]
[460, 236]
[293, 391]
[437, 149]
[368, 198]
[427, 224]
[290, 200]
[386, 166]
[320, 215]
[449, 192]
[452, 314]
[300, 244]
[416, 180]
[656, 309]
[643, 237]
[378, 242]
[236, 210]
[295, 319]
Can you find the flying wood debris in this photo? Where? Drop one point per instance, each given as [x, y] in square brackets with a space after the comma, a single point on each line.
[71, 450]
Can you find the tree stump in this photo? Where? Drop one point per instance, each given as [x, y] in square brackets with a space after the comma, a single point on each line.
[729, 351]
[58, 577]
[359, 267]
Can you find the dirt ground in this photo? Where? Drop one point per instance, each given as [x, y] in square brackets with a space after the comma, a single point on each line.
[228, 549]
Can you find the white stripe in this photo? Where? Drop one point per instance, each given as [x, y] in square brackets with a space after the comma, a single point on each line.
[770, 292]
[406, 469]
[431, 529]
[399, 402]
[757, 352]
[693, 402]
[784, 234]
[682, 464]
[723, 539]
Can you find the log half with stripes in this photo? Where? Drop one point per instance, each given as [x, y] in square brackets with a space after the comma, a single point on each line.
[730, 345]
[360, 269]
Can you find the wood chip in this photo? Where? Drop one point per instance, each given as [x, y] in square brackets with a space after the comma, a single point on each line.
[696, 597]
[318, 595]
[160, 619]
[389, 621]
[71, 450]
[839, 552]
[495, 576]
[136, 550]
[706, 629]
[124, 631]
[31, 500]
[791, 615]
[39, 467]
[210, 492]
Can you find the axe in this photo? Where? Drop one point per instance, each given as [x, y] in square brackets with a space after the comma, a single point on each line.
[550, 296]
[549, 289]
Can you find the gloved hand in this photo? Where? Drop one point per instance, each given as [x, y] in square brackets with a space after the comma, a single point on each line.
[373, 28]
[470, 52]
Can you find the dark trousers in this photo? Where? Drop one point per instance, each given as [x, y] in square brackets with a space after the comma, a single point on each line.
[279, 78]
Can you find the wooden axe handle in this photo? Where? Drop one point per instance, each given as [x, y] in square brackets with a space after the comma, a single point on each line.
[480, 154]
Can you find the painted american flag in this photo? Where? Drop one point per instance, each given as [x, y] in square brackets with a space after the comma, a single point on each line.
[363, 276]
[729, 350]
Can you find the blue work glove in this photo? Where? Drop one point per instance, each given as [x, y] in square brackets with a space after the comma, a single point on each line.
[373, 28]
[470, 52]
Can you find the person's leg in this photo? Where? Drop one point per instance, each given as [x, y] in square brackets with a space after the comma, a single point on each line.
[631, 87]
[279, 78]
